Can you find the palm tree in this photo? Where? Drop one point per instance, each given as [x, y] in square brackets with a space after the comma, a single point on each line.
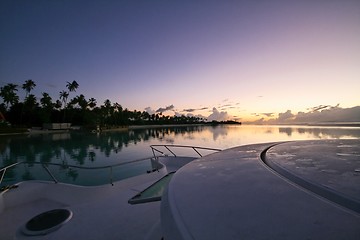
[28, 86]
[8, 93]
[92, 103]
[64, 96]
[46, 101]
[30, 101]
[81, 101]
[117, 107]
[58, 104]
[47, 107]
[107, 104]
[72, 86]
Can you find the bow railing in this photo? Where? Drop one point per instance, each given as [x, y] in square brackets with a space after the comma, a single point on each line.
[170, 149]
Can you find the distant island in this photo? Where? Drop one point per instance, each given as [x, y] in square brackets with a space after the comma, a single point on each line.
[214, 122]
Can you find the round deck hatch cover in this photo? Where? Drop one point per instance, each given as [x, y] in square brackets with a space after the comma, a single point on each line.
[47, 222]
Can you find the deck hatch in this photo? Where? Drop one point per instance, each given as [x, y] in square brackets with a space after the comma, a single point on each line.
[47, 222]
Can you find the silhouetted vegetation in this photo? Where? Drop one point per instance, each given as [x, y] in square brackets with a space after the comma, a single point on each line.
[80, 111]
[214, 122]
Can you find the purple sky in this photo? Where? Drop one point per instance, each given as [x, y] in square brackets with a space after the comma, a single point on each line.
[242, 60]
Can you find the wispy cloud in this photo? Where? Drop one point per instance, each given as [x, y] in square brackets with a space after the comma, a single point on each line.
[168, 108]
[190, 110]
[267, 114]
[225, 105]
[50, 85]
[322, 107]
[159, 110]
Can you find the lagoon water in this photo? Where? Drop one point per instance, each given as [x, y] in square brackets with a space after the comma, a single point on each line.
[75, 151]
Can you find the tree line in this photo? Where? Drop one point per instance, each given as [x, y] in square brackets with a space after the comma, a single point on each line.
[78, 110]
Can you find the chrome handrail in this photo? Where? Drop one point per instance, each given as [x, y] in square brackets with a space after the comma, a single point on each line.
[45, 166]
[3, 170]
[168, 146]
[153, 147]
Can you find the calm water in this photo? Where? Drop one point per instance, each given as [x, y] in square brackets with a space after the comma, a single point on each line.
[104, 149]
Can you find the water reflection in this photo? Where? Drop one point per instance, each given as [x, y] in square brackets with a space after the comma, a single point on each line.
[322, 132]
[93, 150]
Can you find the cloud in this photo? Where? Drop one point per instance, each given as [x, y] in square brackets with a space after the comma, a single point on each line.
[50, 85]
[189, 110]
[259, 121]
[318, 114]
[149, 110]
[236, 118]
[168, 108]
[321, 107]
[283, 117]
[218, 116]
[225, 105]
[330, 114]
[268, 114]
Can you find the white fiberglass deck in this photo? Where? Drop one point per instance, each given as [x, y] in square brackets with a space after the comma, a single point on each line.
[99, 212]
[233, 194]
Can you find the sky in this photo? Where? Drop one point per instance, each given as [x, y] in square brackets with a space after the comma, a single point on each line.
[262, 61]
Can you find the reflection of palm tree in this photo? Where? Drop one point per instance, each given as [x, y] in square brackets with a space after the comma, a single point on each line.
[72, 173]
[27, 174]
[10, 172]
[92, 156]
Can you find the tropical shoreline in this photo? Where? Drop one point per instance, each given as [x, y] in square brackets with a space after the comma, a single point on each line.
[134, 127]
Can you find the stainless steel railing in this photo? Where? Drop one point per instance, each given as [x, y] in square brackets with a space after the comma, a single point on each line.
[155, 149]
[45, 166]
[168, 147]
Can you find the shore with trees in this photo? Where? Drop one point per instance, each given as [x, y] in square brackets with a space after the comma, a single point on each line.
[34, 112]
